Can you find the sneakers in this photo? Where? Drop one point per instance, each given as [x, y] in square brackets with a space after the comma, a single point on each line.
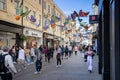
[36, 72]
[58, 66]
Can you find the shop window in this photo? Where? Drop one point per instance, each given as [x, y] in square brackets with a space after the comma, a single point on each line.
[2, 4]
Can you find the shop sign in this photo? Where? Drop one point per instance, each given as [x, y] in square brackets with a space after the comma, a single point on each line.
[93, 19]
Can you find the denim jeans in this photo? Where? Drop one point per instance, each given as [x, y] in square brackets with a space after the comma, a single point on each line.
[38, 65]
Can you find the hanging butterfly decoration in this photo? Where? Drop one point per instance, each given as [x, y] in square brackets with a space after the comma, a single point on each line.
[73, 16]
[21, 13]
[83, 24]
[46, 24]
[37, 24]
[32, 19]
[79, 20]
[83, 14]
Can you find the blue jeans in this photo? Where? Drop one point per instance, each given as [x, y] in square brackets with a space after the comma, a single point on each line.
[32, 58]
[38, 65]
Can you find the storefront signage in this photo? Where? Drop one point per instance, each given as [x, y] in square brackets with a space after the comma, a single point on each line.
[93, 19]
[30, 32]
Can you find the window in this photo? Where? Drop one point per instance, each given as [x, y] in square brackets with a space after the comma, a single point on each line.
[39, 1]
[48, 9]
[44, 4]
[2, 4]
[16, 7]
[40, 20]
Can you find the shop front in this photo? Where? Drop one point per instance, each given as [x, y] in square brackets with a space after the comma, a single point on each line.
[9, 33]
[48, 39]
[33, 37]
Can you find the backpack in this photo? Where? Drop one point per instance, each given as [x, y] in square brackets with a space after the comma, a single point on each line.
[3, 68]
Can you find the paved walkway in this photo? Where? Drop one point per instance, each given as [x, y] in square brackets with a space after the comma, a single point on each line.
[73, 68]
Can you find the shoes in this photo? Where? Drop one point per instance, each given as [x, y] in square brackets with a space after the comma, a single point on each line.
[36, 72]
[40, 72]
[57, 66]
[19, 70]
[25, 67]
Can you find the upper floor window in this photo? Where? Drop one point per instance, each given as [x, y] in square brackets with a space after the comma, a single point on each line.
[48, 9]
[40, 19]
[44, 4]
[16, 7]
[40, 2]
[2, 4]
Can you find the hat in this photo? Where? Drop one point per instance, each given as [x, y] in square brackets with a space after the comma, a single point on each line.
[5, 48]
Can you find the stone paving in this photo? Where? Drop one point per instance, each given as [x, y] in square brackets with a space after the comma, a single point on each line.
[73, 68]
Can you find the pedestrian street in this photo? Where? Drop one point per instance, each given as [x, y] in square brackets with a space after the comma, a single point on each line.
[73, 68]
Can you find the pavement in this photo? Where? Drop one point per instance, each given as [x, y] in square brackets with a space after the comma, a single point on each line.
[73, 68]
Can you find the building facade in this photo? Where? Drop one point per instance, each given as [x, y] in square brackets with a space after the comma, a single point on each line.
[108, 39]
[12, 24]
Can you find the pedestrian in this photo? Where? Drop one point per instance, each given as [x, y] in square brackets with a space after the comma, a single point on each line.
[7, 74]
[52, 51]
[63, 50]
[70, 50]
[89, 54]
[21, 58]
[38, 63]
[48, 54]
[66, 52]
[58, 56]
[32, 54]
[45, 50]
[76, 50]
[27, 56]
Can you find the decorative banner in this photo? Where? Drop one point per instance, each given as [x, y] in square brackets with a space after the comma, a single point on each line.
[53, 25]
[46, 24]
[69, 31]
[80, 20]
[37, 24]
[73, 16]
[60, 26]
[83, 14]
[75, 13]
[21, 13]
[86, 27]
[32, 19]
[83, 24]
[55, 18]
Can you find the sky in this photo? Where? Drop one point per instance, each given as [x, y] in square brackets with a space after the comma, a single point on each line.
[69, 6]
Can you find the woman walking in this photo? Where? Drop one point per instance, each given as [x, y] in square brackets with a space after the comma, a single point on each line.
[89, 54]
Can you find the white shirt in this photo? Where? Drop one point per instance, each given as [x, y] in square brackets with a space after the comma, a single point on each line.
[59, 50]
[9, 63]
[32, 52]
[70, 48]
[21, 54]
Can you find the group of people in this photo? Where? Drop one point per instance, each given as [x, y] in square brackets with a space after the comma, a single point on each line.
[21, 56]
